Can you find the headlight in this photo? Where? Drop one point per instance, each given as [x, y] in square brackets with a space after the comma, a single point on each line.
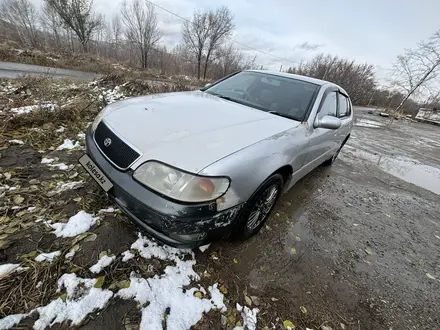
[180, 185]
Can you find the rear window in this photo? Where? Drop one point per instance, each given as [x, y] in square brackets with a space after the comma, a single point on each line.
[344, 106]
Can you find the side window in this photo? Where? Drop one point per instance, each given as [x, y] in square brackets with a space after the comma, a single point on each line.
[329, 105]
[344, 106]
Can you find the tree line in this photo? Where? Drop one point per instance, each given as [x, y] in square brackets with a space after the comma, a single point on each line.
[133, 36]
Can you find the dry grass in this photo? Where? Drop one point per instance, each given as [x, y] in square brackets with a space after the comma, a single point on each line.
[36, 286]
[76, 105]
[88, 63]
[19, 293]
[81, 62]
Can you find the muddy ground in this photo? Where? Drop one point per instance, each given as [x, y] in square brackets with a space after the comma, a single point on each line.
[354, 246]
[364, 240]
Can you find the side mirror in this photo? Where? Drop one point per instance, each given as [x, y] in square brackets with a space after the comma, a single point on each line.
[329, 122]
[208, 84]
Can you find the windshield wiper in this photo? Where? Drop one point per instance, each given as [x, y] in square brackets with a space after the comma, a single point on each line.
[281, 115]
[224, 97]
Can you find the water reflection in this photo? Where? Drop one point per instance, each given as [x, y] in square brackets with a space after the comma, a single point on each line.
[424, 176]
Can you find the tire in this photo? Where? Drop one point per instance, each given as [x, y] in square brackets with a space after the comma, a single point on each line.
[256, 211]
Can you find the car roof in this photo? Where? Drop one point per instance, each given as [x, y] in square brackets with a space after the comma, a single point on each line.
[299, 77]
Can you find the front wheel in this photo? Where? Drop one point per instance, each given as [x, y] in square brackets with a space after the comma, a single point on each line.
[259, 206]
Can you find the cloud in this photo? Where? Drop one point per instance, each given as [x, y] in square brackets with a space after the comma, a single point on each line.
[308, 46]
[370, 31]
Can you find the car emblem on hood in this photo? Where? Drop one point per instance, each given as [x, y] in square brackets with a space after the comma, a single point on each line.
[107, 142]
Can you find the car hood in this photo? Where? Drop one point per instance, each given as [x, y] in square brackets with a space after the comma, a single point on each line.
[191, 130]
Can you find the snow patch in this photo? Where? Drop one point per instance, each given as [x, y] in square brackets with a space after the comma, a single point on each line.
[70, 254]
[81, 136]
[165, 292]
[103, 262]
[112, 95]
[203, 248]
[60, 130]
[69, 144]
[249, 317]
[47, 160]
[149, 249]
[63, 186]
[368, 123]
[16, 141]
[61, 166]
[10, 268]
[127, 255]
[47, 256]
[30, 108]
[77, 224]
[82, 299]
[9, 321]
[107, 210]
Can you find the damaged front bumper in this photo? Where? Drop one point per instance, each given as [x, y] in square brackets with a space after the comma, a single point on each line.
[175, 224]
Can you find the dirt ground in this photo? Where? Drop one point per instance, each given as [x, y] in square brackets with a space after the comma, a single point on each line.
[354, 246]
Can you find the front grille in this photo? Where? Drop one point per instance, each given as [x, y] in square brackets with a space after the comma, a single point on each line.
[118, 152]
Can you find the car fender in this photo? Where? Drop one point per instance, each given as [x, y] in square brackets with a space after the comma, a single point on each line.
[250, 166]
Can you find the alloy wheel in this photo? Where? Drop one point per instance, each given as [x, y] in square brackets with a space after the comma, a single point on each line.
[262, 207]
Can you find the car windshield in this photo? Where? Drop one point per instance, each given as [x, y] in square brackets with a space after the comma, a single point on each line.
[283, 96]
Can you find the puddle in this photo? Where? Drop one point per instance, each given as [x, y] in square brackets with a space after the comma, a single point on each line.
[424, 176]
[296, 237]
[368, 123]
[409, 170]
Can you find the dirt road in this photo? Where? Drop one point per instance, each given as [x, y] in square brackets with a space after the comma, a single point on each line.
[14, 70]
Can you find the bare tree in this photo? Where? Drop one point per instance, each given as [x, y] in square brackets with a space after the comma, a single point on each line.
[205, 33]
[24, 16]
[195, 36]
[116, 32]
[417, 68]
[100, 35]
[220, 25]
[52, 24]
[141, 27]
[358, 79]
[229, 60]
[77, 15]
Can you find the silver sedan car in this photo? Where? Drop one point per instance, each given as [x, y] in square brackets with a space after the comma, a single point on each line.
[191, 167]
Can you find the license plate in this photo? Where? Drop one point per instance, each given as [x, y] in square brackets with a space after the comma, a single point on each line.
[95, 172]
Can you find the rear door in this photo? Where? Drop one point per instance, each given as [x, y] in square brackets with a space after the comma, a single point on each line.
[345, 114]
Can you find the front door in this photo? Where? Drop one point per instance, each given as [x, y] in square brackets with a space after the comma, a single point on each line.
[323, 141]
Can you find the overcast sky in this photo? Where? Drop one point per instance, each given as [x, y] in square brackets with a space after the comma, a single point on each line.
[372, 31]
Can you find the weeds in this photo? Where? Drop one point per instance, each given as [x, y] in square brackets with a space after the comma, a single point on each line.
[31, 288]
[75, 105]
